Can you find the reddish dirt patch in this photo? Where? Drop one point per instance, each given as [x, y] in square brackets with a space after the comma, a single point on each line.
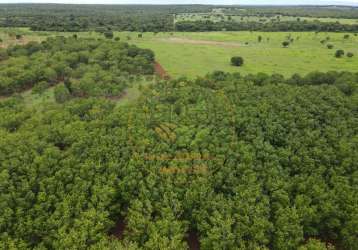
[160, 71]
[193, 240]
[119, 229]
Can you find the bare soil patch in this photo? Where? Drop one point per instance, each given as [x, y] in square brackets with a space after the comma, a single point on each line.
[119, 229]
[160, 71]
[193, 240]
[201, 42]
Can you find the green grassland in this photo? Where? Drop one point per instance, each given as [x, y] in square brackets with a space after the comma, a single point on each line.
[193, 54]
[217, 17]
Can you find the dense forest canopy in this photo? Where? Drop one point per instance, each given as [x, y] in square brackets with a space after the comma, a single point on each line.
[88, 67]
[254, 162]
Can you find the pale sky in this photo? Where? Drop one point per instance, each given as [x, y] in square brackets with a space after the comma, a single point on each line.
[220, 2]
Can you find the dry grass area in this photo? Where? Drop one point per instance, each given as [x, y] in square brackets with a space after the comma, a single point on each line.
[200, 42]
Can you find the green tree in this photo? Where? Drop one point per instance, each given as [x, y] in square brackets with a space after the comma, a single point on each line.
[339, 53]
[237, 61]
[62, 94]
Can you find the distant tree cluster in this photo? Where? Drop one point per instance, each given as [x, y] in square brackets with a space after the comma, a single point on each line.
[193, 26]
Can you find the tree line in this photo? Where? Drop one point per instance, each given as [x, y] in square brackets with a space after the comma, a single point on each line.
[207, 25]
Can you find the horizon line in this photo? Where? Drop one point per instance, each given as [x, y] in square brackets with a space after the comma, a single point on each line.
[188, 4]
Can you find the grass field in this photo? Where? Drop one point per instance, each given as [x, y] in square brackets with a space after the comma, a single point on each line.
[196, 54]
[192, 54]
[216, 17]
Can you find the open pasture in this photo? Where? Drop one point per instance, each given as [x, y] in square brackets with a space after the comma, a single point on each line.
[192, 54]
[217, 17]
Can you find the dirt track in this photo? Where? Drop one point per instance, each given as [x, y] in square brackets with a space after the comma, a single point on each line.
[201, 42]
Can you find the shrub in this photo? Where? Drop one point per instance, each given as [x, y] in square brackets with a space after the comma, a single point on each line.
[108, 34]
[3, 54]
[285, 44]
[62, 94]
[40, 87]
[237, 61]
[350, 54]
[330, 46]
[117, 39]
[339, 53]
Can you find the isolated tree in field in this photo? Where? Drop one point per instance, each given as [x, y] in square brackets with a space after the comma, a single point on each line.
[117, 39]
[237, 61]
[18, 36]
[350, 54]
[108, 34]
[285, 44]
[330, 46]
[346, 36]
[259, 39]
[339, 53]
[140, 35]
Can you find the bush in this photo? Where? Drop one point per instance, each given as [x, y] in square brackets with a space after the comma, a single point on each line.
[40, 87]
[237, 61]
[62, 94]
[330, 46]
[108, 34]
[3, 54]
[350, 54]
[314, 244]
[339, 53]
[117, 39]
[285, 44]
